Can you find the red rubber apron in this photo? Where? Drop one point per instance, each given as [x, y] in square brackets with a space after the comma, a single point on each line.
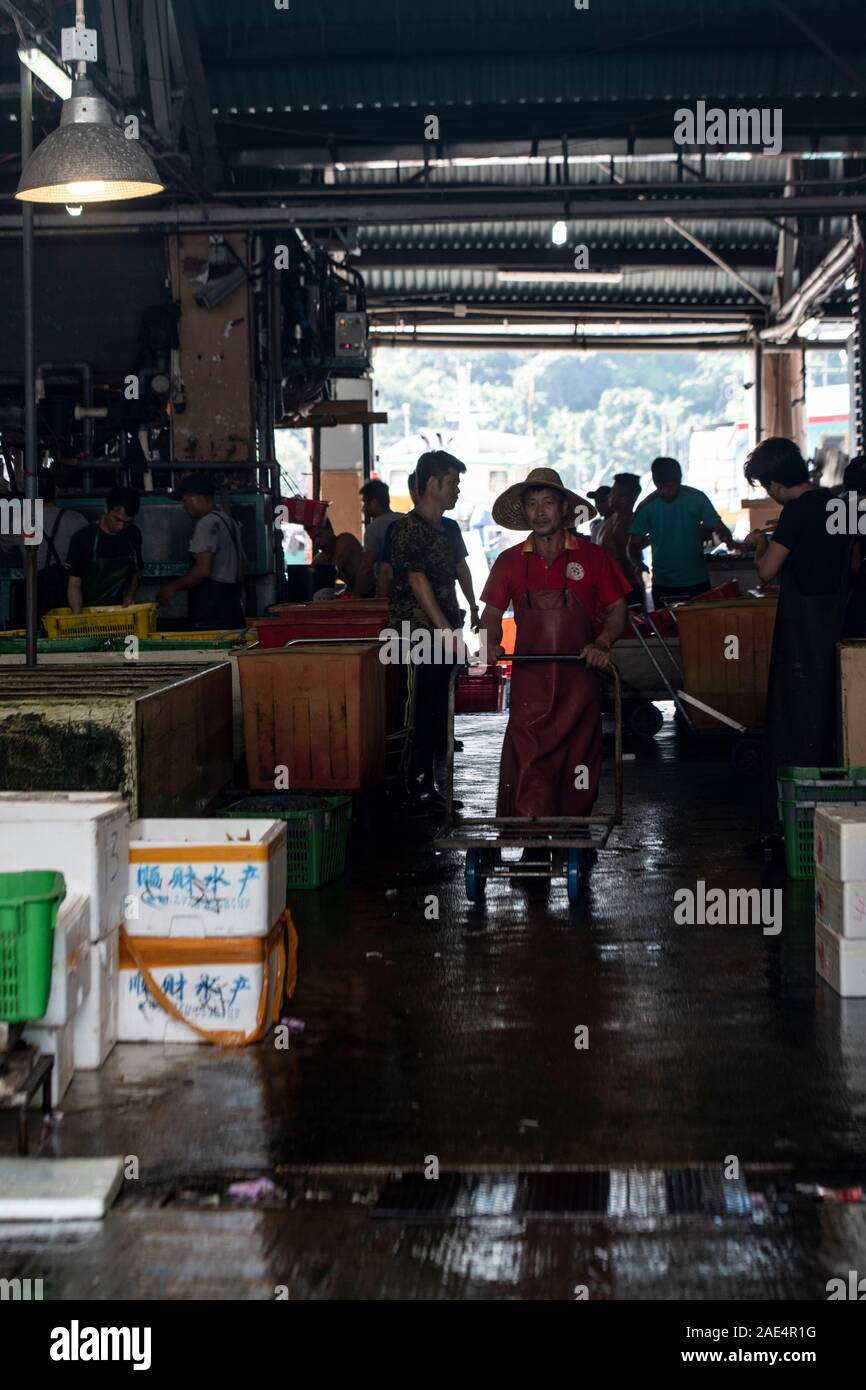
[554, 725]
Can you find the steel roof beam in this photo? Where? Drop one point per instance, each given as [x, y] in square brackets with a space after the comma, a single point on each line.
[695, 342]
[199, 100]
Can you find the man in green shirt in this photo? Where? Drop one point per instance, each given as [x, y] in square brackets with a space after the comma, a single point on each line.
[675, 520]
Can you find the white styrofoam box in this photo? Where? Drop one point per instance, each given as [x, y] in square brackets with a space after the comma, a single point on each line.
[216, 983]
[95, 1023]
[841, 906]
[70, 969]
[840, 842]
[83, 835]
[58, 1043]
[202, 878]
[841, 961]
[58, 1189]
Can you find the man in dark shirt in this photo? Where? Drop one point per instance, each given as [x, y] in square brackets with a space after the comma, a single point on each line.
[424, 594]
[105, 557]
[812, 565]
[385, 577]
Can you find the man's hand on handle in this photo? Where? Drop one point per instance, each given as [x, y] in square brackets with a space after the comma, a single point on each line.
[597, 653]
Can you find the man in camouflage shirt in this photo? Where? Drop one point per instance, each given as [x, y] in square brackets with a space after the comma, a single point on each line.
[425, 596]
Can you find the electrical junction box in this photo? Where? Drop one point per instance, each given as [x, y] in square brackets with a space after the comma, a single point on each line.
[350, 337]
[78, 45]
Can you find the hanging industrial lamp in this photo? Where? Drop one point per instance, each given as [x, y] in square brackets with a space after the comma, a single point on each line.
[88, 159]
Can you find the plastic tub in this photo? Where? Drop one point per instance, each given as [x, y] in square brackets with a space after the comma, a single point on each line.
[28, 911]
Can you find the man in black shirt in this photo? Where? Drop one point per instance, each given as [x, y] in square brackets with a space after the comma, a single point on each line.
[105, 557]
[812, 563]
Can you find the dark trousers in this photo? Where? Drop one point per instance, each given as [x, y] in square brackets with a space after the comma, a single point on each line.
[663, 593]
[430, 732]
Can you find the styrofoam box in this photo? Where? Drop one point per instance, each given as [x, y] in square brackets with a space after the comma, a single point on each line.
[841, 961]
[207, 993]
[58, 1043]
[70, 971]
[95, 1023]
[83, 835]
[840, 842]
[202, 878]
[841, 906]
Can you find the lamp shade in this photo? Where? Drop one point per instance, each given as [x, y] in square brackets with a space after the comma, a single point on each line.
[87, 159]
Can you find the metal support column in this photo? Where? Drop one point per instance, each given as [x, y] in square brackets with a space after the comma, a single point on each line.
[759, 392]
[857, 360]
[30, 441]
[368, 451]
[317, 462]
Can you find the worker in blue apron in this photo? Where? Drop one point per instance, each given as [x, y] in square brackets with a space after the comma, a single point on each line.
[214, 580]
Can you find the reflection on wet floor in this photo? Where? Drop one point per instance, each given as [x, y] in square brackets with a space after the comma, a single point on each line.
[453, 1036]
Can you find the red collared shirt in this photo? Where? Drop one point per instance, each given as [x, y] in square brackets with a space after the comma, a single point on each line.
[584, 568]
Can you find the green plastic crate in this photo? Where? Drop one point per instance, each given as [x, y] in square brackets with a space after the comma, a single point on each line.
[316, 840]
[801, 789]
[28, 911]
[17, 646]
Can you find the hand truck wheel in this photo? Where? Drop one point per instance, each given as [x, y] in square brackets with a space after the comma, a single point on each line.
[474, 877]
[574, 874]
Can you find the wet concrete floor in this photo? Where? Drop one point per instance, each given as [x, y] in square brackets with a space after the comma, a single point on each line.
[454, 1039]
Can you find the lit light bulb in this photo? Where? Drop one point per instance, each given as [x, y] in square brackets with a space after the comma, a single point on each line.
[559, 234]
[74, 211]
[87, 188]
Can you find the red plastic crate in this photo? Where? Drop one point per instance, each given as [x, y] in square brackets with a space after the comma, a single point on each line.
[362, 618]
[478, 690]
[303, 511]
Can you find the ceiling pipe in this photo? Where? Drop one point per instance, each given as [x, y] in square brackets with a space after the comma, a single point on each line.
[813, 291]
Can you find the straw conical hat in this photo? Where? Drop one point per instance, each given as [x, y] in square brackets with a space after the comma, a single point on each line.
[508, 507]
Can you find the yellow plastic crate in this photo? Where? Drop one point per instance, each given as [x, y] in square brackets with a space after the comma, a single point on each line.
[107, 621]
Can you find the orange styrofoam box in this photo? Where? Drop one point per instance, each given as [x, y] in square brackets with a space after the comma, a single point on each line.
[317, 709]
[736, 687]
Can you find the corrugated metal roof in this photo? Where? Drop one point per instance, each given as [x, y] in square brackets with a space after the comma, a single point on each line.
[436, 83]
[699, 287]
[610, 234]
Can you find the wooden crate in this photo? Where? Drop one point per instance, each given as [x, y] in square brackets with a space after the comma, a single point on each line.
[852, 685]
[318, 710]
[736, 687]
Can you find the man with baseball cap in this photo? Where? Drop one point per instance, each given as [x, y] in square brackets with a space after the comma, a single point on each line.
[569, 599]
[214, 580]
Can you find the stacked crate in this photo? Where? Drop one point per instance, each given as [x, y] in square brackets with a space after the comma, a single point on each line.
[840, 898]
[84, 836]
[207, 951]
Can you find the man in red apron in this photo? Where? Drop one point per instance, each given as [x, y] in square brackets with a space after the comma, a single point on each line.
[569, 599]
